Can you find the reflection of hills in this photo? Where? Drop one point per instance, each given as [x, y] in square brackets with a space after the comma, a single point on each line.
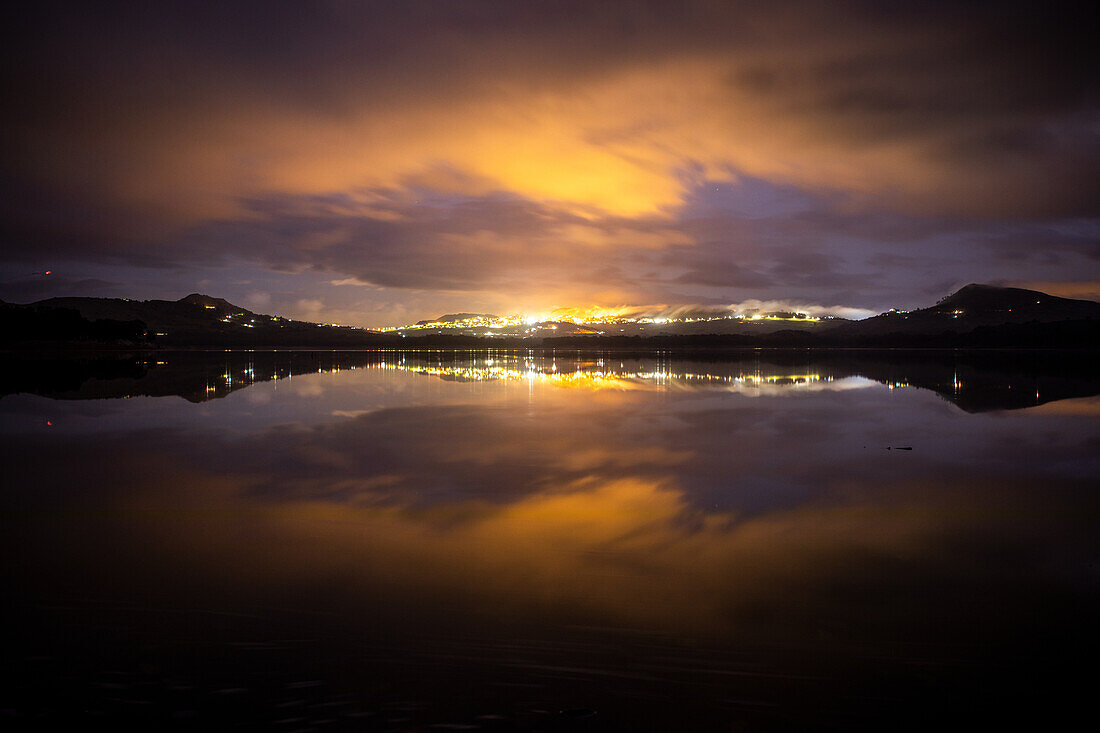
[975, 381]
[195, 376]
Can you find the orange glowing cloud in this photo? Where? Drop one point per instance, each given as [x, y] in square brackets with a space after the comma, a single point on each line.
[796, 97]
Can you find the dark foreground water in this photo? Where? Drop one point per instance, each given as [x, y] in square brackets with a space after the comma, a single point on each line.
[502, 541]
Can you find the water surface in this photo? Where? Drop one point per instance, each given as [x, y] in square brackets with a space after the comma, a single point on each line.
[526, 541]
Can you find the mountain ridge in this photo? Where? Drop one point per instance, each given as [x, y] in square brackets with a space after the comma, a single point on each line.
[983, 315]
[974, 306]
[196, 320]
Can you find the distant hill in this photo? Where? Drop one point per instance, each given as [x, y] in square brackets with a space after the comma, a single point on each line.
[976, 316]
[207, 301]
[195, 310]
[32, 324]
[466, 324]
[454, 317]
[973, 307]
[193, 321]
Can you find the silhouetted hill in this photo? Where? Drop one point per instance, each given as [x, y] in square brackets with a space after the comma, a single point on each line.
[977, 316]
[40, 324]
[973, 307]
[161, 315]
[208, 301]
[194, 321]
[452, 317]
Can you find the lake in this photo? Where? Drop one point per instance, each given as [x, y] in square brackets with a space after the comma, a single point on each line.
[415, 541]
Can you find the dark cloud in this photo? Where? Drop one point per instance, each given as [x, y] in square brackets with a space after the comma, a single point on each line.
[435, 242]
[721, 273]
[41, 286]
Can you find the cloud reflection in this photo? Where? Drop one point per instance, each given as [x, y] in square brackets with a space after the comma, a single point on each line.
[641, 508]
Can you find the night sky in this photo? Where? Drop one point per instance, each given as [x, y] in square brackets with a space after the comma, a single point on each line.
[378, 163]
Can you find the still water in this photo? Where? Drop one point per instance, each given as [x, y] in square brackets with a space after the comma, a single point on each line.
[523, 541]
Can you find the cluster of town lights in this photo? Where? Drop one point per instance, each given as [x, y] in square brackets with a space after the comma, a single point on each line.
[587, 317]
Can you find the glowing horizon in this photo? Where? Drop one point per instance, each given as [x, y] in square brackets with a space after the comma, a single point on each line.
[752, 310]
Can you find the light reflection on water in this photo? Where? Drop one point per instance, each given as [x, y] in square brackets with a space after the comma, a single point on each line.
[658, 539]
